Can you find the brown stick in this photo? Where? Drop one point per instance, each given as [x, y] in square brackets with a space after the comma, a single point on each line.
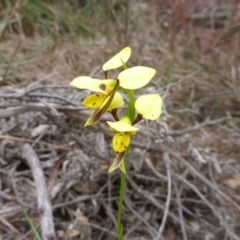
[44, 204]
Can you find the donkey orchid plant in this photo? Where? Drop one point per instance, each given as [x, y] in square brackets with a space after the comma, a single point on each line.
[106, 97]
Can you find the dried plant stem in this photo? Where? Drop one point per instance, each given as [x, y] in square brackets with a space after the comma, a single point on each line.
[167, 205]
[44, 204]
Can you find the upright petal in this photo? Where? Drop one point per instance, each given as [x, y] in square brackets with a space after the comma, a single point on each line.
[149, 106]
[117, 60]
[136, 77]
[92, 84]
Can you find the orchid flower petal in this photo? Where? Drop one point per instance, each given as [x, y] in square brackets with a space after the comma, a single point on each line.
[117, 102]
[118, 59]
[149, 106]
[122, 167]
[136, 77]
[92, 84]
[117, 162]
[94, 118]
[95, 100]
[121, 141]
[123, 125]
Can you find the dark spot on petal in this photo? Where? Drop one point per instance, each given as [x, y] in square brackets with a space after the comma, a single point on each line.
[94, 103]
[97, 95]
[102, 87]
[121, 143]
[116, 143]
[125, 147]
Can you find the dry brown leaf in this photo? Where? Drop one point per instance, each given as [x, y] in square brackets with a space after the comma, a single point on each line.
[39, 129]
[170, 234]
[234, 182]
[79, 228]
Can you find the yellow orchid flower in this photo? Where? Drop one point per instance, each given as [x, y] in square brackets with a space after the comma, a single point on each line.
[149, 106]
[121, 140]
[106, 98]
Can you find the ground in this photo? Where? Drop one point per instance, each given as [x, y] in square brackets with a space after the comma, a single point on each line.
[183, 170]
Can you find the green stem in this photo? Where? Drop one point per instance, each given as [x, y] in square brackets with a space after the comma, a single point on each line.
[131, 115]
[122, 192]
[131, 107]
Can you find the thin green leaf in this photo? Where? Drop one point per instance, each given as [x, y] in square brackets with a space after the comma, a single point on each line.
[30, 222]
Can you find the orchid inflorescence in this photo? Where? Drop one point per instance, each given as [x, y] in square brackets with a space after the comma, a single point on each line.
[107, 98]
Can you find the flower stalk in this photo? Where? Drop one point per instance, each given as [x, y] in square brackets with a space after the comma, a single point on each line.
[121, 198]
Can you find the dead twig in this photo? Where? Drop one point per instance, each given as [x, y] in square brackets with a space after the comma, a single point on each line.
[206, 181]
[129, 206]
[148, 196]
[44, 204]
[180, 211]
[27, 107]
[197, 127]
[168, 201]
[33, 141]
[8, 225]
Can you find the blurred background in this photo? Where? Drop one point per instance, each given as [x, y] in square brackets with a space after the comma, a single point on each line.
[183, 178]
